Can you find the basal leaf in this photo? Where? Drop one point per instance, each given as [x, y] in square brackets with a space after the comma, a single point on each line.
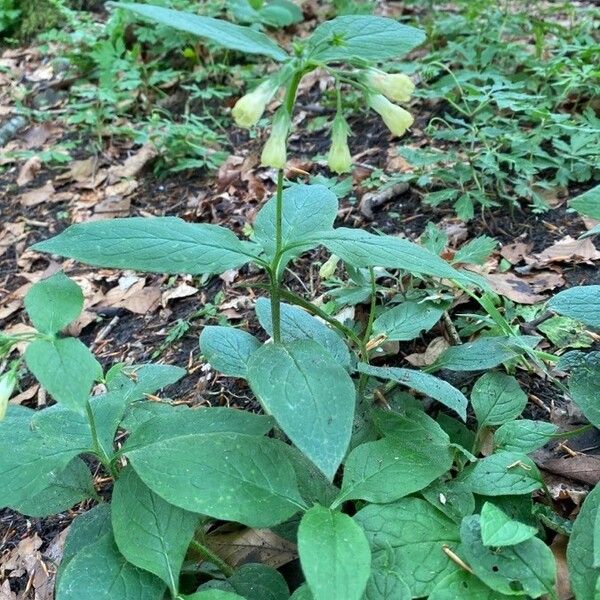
[503, 474]
[222, 33]
[100, 572]
[385, 583]
[406, 321]
[584, 387]
[158, 245]
[415, 532]
[581, 303]
[427, 384]
[451, 497]
[588, 203]
[498, 529]
[334, 554]
[66, 368]
[526, 568]
[497, 398]
[465, 586]
[150, 533]
[253, 581]
[228, 476]
[310, 396]
[362, 37]
[414, 453]
[583, 573]
[227, 349]
[523, 435]
[53, 303]
[297, 324]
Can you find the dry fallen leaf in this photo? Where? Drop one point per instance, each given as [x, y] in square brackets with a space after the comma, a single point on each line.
[28, 171]
[559, 549]
[133, 165]
[183, 290]
[10, 234]
[38, 195]
[431, 354]
[567, 250]
[515, 253]
[524, 290]
[131, 294]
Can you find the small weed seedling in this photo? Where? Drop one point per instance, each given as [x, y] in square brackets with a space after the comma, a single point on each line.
[383, 501]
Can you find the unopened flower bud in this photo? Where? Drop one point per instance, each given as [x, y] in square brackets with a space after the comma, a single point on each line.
[8, 381]
[339, 158]
[395, 86]
[250, 108]
[396, 118]
[328, 268]
[274, 153]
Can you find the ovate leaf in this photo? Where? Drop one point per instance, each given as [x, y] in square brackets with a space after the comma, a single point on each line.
[66, 368]
[584, 574]
[385, 583]
[498, 529]
[406, 321]
[497, 398]
[297, 324]
[53, 303]
[362, 37]
[503, 474]
[150, 533]
[100, 572]
[227, 349]
[213, 595]
[524, 435]
[427, 384]
[227, 476]
[465, 586]
[311, 397]
[581, 303]
[222, 33]
[334, 554]
[253, 581]
[416, 533]
[158, 245]
[527, 568]
[588, 203]
[584, 386]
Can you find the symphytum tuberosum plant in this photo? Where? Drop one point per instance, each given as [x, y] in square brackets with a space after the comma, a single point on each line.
[382, 503]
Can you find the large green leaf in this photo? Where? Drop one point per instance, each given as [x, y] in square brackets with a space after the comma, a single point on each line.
[451, 497]
[227, 476]
[227, 349]
[222, 33]
[484, 353]
[64, 489]
[584, 386]
[584, 574]
[66, 368]
[363, 249]
[415, 452]
[159, 245]
[461, 585]
[252, 581]
[100, 572]
[176, 422]
[497, 398]
[427, 384]
[311, 397]
[53, 303]
[523, 435]
[305, 209]
[588, 203]
[334, 554]
[406, 321]
[362, 37]
[150, 533]
[213, 595]
[385, 583]
[297, 324]
[503, 474]
[498, 529]
[526, 568]
[581, 303]
[416, 533]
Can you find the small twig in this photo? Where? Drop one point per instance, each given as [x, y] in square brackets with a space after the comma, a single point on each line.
[457, 559]
[454, 337]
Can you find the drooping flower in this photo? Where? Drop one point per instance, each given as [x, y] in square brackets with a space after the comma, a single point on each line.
[395, 86]
[250, 108]
[274, 153]
[8, 381]
[395, 117]
[339, 158]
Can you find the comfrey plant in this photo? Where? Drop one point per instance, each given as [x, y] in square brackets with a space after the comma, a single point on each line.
[382, 501]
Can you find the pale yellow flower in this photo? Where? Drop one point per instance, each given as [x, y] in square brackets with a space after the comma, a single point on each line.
[395, 86]
[8, 381]
[395, 117]
[250, 108]
[274, 153]
[339, 158]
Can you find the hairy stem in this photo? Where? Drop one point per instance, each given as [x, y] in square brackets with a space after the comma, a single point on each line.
[98, 449]
[206, 553]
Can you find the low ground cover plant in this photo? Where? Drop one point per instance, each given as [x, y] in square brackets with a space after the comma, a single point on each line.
[383, 500]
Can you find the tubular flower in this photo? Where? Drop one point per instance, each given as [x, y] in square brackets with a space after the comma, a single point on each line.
[395, 86]
[396, 118]
[249, 108]
[274, 153]
[339, 158]
[8, 381]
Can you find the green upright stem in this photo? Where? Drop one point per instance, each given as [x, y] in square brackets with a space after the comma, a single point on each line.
[98, 449]
[274, 272]
[207, 554]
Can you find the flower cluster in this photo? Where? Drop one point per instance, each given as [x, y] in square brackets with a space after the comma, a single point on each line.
[382, 91]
